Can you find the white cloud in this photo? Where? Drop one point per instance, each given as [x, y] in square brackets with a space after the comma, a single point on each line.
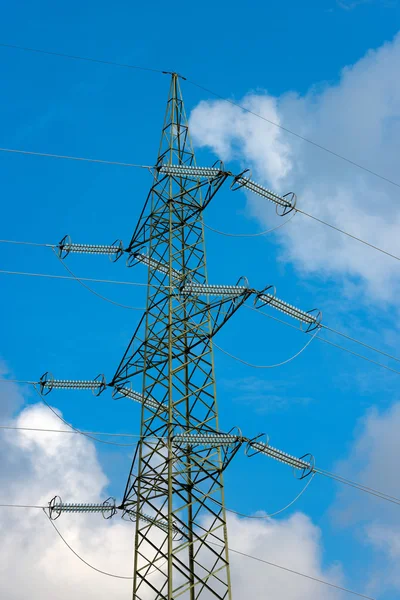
[373, 462]
[11, 398]
[34, 560]
[295, 543]
[358, 117]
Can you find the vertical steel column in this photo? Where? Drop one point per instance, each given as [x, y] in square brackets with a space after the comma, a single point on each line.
[183, 552]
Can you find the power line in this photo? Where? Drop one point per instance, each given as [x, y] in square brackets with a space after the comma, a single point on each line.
[242, 235]
[78, 158]
[91, 437]
[271, 564]
[350, 235]
[273, 514]
[209, 91]
[41, 429]
[316, 471]
[20, 506]
[27, 243]
[17, 381]
[46, 275]
[352, 339]
[80, 557]
[123, 164]
[285, 362]
[301, 137]
[49, 276]
[83, 58]
[325, 341]
[92, 291]
[359, 486]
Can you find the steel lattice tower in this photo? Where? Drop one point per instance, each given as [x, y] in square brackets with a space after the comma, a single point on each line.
[179, 488]
[175, 490]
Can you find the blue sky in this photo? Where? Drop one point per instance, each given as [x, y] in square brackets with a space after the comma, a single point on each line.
[319, 402]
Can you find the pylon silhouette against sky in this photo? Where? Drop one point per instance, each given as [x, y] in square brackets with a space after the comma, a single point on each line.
[175, 491]
[171, 350]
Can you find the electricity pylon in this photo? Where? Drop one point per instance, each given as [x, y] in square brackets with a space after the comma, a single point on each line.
[171, 350]
[175, 490]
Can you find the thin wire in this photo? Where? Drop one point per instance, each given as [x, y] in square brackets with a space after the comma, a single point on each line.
[137, 67]
[93, 291]
[135, 435]
[322, 581]
[80, 557]
[47, 275]
[84, 58]
[271, 564]
[268, 366]
[78, 158]
[359, 486]
[316, 471]
[249, 234]
[348, 337]
[17, 381]
[20, 506]
[78, 430]
[301, 137]
[350, 235]
[325, 341]
[26, 243]
[81, 279]
[277, 512]
[91, 566]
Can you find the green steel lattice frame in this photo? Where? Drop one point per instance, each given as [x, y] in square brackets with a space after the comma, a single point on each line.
[181, 551]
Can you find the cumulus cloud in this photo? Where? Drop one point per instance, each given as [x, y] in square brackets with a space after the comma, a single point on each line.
[11, 398]
[34, 560]
[373, 462]
[359, 117]
[294, 542]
